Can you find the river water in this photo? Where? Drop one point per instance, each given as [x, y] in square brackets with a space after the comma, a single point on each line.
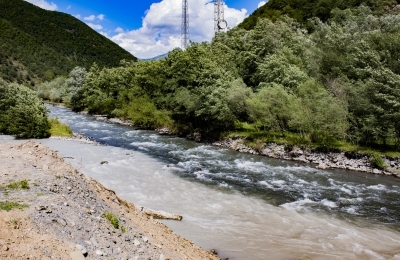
[244, 206]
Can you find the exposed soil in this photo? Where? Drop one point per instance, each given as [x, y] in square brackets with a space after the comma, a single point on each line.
[65, 215]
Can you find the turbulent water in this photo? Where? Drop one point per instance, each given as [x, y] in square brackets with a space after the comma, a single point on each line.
[245, 206]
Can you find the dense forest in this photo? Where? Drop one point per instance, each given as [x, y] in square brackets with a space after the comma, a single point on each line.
[338, 83]
[303, 10]
[37, 44]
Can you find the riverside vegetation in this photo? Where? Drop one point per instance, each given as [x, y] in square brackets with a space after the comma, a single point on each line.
[334, 87]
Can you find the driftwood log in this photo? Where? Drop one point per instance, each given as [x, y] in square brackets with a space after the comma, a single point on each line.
[160, 214]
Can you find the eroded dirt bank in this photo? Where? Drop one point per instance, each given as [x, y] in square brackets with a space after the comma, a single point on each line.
[64, 217]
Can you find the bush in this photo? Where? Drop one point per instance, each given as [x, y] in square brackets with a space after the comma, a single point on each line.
[21, 112]
[376, 161]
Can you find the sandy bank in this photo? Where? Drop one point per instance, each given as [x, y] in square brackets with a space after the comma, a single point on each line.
[65, 215]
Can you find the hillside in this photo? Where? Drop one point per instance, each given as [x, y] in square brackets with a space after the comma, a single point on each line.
[37, 44]
[302, 10]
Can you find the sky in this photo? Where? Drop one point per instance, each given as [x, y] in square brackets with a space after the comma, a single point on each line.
[148, 28]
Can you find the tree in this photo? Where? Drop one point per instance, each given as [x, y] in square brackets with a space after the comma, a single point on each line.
[21, 112]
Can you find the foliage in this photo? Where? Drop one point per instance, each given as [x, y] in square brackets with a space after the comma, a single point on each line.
[21, 112]
[334, 84]
[303, 10]
[114, 221]
[57, 128]
[36, 44]
[8, 205]
[377, 161]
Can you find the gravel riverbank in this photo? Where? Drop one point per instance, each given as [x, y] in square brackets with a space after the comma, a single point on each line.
[65, 214]
[332, 160]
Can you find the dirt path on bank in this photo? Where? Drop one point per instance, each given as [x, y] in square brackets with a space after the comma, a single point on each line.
[64, 214]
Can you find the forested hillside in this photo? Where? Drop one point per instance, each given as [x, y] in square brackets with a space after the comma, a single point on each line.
[303, 10]
[338, 84]
[37, 44]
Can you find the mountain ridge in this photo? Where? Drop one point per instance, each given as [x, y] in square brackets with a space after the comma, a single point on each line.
[37, 44]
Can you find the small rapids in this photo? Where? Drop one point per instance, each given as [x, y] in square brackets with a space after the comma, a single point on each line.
[245, 206]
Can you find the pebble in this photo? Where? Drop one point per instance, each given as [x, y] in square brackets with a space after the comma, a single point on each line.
[5, 248]
[136, 242]
[82, 249]
[76, 255]
[145, 239]
[99, 253]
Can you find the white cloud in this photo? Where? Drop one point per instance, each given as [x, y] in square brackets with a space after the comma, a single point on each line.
[119, 30]
[78, 16]
[90, 18]
[68, 7]
[261, 3]
[93, 17]
[95, 26]
[161, 27]
[44, 4]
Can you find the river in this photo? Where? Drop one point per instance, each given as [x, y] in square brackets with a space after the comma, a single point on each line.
[244, 206]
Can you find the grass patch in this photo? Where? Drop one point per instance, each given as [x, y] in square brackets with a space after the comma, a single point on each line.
[7, 205]
[112, 218]
[17, 185]
[123, 229]
[15, 223]
[114, 221]
[377, 161]
[57, 128]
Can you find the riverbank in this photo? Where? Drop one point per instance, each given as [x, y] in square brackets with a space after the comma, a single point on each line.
[352, 161]
[332, 160]
[67, 212]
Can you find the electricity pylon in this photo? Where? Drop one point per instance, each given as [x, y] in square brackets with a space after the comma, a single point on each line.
[220, 24]
[185, 25]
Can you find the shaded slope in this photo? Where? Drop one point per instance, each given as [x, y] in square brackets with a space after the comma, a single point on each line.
[302, 10]
[40, 43]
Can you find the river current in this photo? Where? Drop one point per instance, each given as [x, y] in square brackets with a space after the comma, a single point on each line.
[245, 206]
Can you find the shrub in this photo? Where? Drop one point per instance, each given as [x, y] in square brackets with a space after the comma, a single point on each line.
[377, 161]
[21, 112]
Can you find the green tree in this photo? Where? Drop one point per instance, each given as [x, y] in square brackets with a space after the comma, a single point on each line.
[21, 112]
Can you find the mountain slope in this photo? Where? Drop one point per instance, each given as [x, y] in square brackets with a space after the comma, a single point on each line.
[37, 44]
[302, 10]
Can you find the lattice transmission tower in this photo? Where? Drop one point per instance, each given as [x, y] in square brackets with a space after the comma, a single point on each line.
[220, 24]
[185, 25]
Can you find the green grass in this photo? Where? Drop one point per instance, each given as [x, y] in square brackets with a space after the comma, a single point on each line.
[112, 218]
[57, 128]
[17, 185]
[7, 205]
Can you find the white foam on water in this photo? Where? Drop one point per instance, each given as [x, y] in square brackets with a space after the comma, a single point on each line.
[239, 227]
[377, 187]
[328, 203]
[145, 144]
[352, 210]
[279, 182]
[298, 205]
[346, 190]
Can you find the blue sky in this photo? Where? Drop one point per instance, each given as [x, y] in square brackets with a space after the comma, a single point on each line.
[147, 28]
